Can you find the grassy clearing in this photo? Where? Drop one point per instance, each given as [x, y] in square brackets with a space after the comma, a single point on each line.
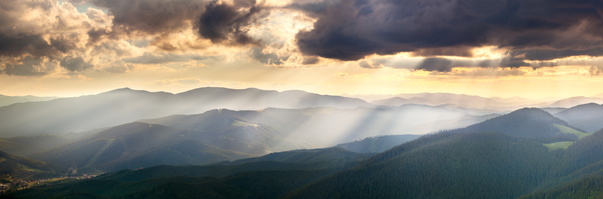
[568, 130]
[558, 145]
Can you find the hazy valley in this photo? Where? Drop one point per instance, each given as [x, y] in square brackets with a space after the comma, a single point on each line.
[252, 143]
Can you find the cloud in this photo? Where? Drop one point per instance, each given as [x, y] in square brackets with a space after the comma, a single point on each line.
[223, 23]
[33, 44]
[436, 64]
[353, 29]
[160, 58]
[181, 81]
[27, 66]
[151, 16]
[119, 67]
[310, 60]
[43, 35]
[266, 58]
[75, 64]
[483, 72]
[548, 54]
[595, 70]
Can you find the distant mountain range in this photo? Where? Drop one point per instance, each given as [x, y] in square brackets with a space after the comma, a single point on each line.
[293, 144]
[324, 127]
[575, 101]
[125, 105]
[8, 100]
[459, 100]
[588, 117]
[499, 158]
[78, 114]
[137, 145]
[220, 135]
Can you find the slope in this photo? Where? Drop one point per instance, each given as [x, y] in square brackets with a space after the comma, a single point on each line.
[377, 144]
[8, 100]
[588, 117]
[251, 178]
[27, 145]
[326, 127]
[136, 145]
[575, 101]
[531, 123]
[466, 163]
[445, 165]
[127, 105]
[15, 167]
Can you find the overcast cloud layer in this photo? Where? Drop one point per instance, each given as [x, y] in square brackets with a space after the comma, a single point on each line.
[351, 30]
[44, 36]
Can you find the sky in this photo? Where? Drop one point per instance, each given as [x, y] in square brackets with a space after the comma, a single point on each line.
[504, 48]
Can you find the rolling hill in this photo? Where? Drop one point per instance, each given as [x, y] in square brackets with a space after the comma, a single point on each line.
[458, 100]
[446, 165]
[270, 176]
[377, 144]
[498, 158]
[575, 101]
[28, 145]
[125, 105]
[326, 127]
[16, 167]
[136, 145]
[8, 100]
[531, 123]
[586, 116]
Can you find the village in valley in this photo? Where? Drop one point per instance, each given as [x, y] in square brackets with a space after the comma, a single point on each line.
[8, 183]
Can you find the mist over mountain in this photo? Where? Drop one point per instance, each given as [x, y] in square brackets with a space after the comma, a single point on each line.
[377, 144]
[459, 100]
[325, 127]
[136, 145]
[531, 123]
[586, 116]
[266, 144]
[24, 146]
[121, 106]
[497, 158]
[575, 101]
[8, 100]
[220, 135]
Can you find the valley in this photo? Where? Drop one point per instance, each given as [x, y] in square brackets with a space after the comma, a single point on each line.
[298, 150]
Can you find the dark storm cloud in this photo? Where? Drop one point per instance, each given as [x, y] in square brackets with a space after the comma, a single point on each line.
[555, 54]
[310, 60]
[27, 66]
[312, 8]
[436, 64]
[352, 29]
[149, 16]
[33, 44]
[446, 65]
[461, 51]
[75, 64]
[223, 23]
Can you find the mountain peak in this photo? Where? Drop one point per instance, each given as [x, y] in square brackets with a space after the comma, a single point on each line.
[592, 104]
[530, 123]
[121, 90]
[532, 112]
